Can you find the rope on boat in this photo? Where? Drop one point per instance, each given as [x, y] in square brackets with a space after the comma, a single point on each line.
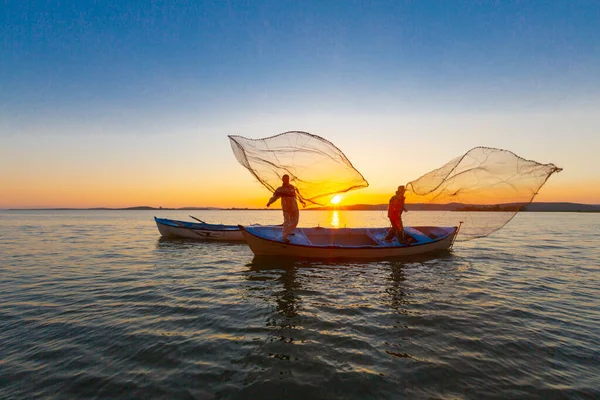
[455, 235]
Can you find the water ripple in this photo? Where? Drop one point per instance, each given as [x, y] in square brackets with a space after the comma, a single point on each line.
[95, 305]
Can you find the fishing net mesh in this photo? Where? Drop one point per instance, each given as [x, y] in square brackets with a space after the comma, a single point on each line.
[486, 186]
[316, 167]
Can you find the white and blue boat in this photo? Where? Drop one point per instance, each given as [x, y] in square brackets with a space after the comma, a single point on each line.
[198, 230]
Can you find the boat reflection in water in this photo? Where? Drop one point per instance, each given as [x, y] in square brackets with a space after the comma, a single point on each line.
[339, 303]
[318, 322]
[285, 295]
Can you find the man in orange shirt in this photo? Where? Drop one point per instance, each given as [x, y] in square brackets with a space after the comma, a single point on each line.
[395, 209]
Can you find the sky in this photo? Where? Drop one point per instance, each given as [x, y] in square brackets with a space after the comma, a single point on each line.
[117, 104]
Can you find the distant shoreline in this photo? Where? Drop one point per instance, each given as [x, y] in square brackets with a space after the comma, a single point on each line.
[511, 207]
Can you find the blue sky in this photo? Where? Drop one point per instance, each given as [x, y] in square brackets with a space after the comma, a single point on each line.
[193, 54]
[138, 77]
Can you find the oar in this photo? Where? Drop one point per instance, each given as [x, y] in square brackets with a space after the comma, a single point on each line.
[191, 229]
[199, 220]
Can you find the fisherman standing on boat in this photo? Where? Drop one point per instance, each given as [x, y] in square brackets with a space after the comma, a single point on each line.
[289, 206]
[395, 209]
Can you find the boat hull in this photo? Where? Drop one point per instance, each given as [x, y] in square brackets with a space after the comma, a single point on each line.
[197, 231]
[262, 246]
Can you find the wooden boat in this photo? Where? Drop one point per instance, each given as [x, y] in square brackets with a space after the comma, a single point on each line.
[198, 230]
[353, 243]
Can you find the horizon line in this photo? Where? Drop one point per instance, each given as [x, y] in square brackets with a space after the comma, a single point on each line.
[206, 208]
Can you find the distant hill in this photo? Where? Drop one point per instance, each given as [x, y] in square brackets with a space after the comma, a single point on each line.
[570, 207]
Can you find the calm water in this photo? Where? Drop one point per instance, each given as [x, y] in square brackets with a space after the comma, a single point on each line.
[95, 305]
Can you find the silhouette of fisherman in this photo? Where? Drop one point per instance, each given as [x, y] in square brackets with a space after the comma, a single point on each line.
[288, 194]
[395, 209]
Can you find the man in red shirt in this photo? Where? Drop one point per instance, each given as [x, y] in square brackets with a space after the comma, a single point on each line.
[395, 209]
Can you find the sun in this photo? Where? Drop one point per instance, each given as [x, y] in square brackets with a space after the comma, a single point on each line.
[336, 199]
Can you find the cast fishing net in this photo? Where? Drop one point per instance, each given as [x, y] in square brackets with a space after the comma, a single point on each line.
[487, 186]
[316, 167]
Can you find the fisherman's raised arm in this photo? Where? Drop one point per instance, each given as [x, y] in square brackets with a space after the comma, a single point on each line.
[275, 197]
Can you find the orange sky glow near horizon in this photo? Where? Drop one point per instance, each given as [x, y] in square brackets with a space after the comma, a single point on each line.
[242, 195]
[87, 175]
[193, 166]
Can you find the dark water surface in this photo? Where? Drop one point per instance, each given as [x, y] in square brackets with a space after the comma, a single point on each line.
[94, 305]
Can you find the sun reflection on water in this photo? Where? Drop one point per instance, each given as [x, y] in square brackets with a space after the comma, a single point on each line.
[335, 219]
